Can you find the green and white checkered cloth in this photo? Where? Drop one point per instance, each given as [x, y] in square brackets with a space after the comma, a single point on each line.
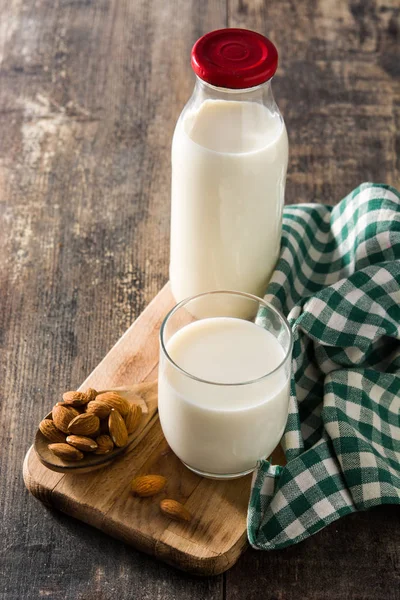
[338, 282]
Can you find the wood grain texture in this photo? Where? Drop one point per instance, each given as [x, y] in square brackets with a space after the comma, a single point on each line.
[89, 93]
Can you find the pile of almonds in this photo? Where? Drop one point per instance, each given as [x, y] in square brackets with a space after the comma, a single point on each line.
[89, 422]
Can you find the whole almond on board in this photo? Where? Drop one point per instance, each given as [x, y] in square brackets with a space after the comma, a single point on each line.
[104, 444]
[175, 510]
[50, 431]
[133, 417]
[114, 400]
[66, 452]
[62, 416]
[117, 427]
[75, 398]
[90, 394]
[85, 424]
[100, 409]
[148, 485]
[86, 444]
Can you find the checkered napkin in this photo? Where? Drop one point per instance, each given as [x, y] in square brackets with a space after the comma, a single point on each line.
[338, 282]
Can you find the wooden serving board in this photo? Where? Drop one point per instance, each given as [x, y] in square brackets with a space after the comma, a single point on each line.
[214, 539]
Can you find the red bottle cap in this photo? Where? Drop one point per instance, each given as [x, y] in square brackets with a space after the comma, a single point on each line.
[234, 58]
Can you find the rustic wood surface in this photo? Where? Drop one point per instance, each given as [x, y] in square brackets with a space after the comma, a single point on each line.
[89, 93]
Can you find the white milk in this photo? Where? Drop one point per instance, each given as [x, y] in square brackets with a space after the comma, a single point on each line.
[223, 429]
[229, 162]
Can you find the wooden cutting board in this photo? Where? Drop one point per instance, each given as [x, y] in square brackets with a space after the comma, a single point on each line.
[214, 539]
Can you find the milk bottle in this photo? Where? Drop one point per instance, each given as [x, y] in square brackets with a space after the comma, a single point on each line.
[229, 162]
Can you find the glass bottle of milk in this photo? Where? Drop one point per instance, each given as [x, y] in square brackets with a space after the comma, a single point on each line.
[229, 163]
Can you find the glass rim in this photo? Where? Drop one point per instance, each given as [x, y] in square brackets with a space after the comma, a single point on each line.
[265, 303]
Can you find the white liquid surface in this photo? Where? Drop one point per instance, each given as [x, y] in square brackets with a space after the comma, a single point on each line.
[223, 429]
[229, 162]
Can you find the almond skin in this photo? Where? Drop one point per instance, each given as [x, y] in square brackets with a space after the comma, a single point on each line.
[75, 398]
[117, 427]
[85, 444]
[66, 452]
[105, 445]
[145, 486]
[62, 416]
[50, 431]
[100, 409]
[133, 417]
[175, 510]
[85, 424]
[90, 394]
[114, 400]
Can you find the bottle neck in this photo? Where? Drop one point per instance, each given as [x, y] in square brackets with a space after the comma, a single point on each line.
[261, 93]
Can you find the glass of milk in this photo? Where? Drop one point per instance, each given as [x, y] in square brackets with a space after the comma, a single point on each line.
[229, 163]
[224, 377]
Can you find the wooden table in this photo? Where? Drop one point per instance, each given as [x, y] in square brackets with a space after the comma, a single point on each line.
[89, 94]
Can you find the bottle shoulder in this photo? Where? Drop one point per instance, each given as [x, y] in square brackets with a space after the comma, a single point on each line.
[233, 127]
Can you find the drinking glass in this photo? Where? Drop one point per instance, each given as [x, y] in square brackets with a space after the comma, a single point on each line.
[217, 417]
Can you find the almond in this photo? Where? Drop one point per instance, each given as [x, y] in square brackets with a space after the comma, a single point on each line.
[79, 409]
[117, 427]
[175, 510]
[86, 444]
[99, 409]
[50, 431]
[132, 419]
[104, 444]
[62, 416]
[90, 394]
[66, 452]
[85, 424]
[75, 398]
[114, 400]
[148, 485]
